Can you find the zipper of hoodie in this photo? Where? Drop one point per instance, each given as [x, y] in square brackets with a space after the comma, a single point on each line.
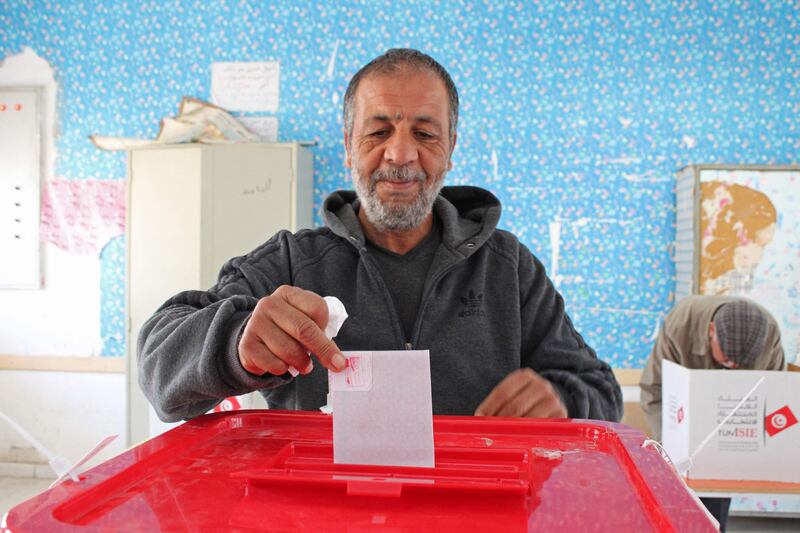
[407, 344]
[424, 301]
[387, 296]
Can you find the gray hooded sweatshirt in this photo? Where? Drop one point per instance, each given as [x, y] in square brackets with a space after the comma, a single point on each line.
[487, 309]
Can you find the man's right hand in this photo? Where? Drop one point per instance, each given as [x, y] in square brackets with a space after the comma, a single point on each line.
[284, 327]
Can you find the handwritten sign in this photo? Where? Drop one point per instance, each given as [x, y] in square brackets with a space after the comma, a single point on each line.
[246, 86]
[259, 188]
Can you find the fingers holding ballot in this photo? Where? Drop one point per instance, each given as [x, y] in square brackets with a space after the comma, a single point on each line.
[523, 393]
[284, 328]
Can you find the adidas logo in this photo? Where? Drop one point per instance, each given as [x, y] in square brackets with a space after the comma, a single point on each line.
[472, 305]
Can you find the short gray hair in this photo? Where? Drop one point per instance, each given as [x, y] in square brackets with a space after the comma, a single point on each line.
[392, 61]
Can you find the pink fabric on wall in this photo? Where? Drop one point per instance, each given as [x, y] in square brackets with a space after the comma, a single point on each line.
[80, 216]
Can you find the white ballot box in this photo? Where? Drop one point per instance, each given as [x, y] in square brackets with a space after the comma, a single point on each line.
[759, 442]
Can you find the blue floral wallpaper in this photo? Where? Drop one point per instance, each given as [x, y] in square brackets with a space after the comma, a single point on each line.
[575, 114]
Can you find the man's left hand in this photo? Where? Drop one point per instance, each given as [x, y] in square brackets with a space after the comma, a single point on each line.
[523, 393]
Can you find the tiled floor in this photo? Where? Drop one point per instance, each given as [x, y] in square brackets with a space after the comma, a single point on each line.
[16, 490]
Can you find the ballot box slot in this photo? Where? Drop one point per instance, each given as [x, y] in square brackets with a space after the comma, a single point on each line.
[500, 471]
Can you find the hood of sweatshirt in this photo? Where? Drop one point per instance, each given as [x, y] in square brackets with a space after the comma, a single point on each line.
[469, 215]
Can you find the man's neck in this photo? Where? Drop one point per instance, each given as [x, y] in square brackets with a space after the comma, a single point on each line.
[399, 242]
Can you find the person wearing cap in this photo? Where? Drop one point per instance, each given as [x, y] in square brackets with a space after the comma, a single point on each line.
[708, 332]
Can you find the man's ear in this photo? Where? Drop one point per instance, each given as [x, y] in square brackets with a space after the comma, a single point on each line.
[711, 329]
[452, 149]
[347, 162]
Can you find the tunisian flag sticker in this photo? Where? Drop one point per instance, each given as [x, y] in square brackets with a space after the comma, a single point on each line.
[779, 420]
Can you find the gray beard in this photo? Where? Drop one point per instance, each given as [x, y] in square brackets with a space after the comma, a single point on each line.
[391, 216]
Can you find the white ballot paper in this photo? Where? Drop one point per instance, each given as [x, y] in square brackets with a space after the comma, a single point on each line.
[382, 413]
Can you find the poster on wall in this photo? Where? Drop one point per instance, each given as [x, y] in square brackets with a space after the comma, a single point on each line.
[750, 242]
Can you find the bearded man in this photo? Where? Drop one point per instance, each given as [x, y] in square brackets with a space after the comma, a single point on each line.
[417, 266]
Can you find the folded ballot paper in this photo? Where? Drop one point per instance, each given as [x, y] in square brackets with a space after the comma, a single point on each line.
[197, 121]
[382, 412]
[381, 404]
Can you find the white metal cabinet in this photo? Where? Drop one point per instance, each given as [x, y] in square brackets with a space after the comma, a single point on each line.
[192, 207]
[20, 169]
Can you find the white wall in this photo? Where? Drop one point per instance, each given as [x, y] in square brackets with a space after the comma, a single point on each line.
[68, 412]
[63, 318]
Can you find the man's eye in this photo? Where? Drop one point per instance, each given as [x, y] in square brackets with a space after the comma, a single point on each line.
[379, 133]
[425, 135]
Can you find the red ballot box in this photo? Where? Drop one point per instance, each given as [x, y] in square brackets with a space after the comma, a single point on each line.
[273, 471]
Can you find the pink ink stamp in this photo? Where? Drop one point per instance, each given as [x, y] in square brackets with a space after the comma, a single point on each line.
[357, 374]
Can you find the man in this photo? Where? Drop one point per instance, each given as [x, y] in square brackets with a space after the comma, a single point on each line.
[416, 266]
[706, 332]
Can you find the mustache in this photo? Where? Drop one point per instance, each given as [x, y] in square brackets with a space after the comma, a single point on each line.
[398, 174]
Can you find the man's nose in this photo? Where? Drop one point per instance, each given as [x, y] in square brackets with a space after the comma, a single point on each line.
[400, 149]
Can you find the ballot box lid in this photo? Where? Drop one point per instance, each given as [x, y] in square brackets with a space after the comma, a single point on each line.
[261, 470]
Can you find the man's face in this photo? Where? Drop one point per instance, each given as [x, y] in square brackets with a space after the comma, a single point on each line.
[399, 150]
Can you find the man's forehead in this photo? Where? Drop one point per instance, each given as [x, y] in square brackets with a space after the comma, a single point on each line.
[405, 73]
[400, 94]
